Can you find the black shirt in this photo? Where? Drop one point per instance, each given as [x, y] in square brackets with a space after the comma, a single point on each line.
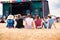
[19, 23]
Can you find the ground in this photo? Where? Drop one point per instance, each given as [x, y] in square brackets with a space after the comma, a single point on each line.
[29, 34]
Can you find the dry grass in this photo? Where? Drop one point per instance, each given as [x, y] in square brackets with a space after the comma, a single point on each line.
[29, 34]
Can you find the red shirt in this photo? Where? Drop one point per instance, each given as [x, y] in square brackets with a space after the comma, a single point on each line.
[38, 22]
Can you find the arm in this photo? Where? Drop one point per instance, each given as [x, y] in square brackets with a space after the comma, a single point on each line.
[15, 23]
[41, 23]
[54, 25]
[25, 24]
[6, 22]
[33, 25]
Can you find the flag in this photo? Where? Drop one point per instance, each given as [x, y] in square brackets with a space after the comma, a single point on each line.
[23, 0]
[13, 0]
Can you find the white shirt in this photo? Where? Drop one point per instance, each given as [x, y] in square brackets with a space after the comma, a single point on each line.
[29, 22]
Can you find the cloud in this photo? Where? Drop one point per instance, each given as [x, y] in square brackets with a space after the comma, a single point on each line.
[57, 5]
[55, 12]
[1, 8]
[54, 6]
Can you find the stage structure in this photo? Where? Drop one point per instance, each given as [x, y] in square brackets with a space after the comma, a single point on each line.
[24, 7]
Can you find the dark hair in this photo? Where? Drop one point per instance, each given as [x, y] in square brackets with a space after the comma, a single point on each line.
[49, 16]
[37, 16]
[28, 15]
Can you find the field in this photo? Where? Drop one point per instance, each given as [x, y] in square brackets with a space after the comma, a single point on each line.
[29, 34]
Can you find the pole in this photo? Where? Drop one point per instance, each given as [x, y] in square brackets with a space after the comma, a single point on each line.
[43, 7]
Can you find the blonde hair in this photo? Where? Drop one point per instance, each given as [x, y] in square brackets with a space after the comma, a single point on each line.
[10, 17]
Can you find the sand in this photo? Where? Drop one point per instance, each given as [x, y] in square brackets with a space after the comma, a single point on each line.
[29, 34]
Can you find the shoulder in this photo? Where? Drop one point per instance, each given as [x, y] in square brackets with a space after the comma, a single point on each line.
[31, 18]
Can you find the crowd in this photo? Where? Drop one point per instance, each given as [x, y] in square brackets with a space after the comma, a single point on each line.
[29, 22]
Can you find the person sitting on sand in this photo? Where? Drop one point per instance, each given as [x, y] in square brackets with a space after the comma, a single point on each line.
[29, 22]
[10, 21]
[38, 22]
[50, 22]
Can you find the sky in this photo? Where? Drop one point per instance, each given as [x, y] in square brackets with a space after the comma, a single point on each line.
[54, 6]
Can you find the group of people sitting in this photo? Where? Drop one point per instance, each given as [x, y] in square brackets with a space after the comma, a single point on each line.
[29, 22]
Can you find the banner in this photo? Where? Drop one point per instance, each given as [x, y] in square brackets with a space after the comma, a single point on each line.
[13, 0]
[18, 0]
[23, 0]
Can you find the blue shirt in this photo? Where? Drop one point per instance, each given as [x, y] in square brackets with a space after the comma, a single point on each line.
[51, 21]
[10, 23]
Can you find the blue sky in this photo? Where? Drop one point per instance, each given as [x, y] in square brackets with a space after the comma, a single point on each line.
[54, 6]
